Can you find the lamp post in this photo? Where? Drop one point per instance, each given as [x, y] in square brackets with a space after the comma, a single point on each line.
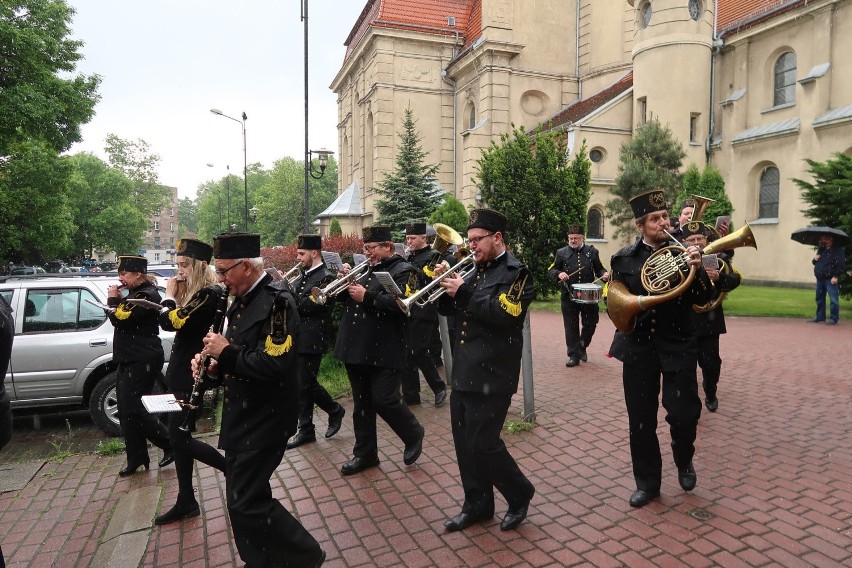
[322, 154]
[245, 162]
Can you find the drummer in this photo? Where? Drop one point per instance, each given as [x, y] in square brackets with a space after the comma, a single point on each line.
[578, 263]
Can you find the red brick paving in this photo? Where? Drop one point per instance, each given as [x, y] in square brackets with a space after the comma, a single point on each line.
[774, 469]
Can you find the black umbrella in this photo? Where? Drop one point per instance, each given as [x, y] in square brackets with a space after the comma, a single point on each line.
[811, 235]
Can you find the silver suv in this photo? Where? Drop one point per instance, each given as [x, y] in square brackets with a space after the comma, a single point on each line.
[62, 353]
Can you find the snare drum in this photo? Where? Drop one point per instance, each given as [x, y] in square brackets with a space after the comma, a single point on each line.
[586, 293]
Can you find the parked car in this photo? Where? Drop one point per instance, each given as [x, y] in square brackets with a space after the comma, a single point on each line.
[23, 270]
[164, 270]
[62, 353]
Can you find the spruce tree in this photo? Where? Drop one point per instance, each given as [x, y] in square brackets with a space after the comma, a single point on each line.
[411, 191]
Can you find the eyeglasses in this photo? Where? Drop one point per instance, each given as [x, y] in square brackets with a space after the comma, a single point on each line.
[475, 240]
[220, 272]
[370, 248]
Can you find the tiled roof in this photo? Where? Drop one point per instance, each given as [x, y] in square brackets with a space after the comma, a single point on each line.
[347, 204]
[427, 16]
[736, 13]
[789, 126]
[582, 108]
[833, 116]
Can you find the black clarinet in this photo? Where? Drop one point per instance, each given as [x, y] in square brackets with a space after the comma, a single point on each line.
[201, 378]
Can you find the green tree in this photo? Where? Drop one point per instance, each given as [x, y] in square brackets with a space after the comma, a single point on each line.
[40, 96]
[829, 199]
[650, 160]
[138, 164]
[451, 213]
[187, 217]
[707, 183]
[410, 191]
[334, 228]
[532, 182]
[35, 217]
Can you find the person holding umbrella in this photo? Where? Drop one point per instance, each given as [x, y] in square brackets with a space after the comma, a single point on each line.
[829, 263]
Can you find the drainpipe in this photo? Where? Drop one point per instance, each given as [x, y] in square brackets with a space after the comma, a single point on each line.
[452, 84]
[714, 52]
[577, 50]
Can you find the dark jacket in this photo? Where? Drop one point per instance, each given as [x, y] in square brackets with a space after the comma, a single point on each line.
[259, 369]
[664, 336]
[569, 260]
[137, 329]
[421, 260]
[490, 309]
[315, 319]
[191, 322]
[713, 322]
[831, 263]
[373, 332]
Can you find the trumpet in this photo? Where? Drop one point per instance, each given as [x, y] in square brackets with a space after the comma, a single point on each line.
[293, 274]
[432, 291]
[355, 274]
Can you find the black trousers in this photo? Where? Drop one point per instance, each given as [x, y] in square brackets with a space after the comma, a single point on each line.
[710, 363]
[186, 450]
[266, 534]
[484, 462]
[133, 380]
[375, 391]
[683, 407]
[571, 314]
[311, 392]
[420, 356]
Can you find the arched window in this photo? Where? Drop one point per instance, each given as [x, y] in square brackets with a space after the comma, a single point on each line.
[471, 115]
[770, 182]
[785, 79]
[595, 224]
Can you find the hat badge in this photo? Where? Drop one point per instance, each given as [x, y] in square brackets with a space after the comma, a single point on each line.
[657, 199]
[180, 247]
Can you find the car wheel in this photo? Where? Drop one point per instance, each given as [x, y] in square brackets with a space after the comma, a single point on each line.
[103, 405]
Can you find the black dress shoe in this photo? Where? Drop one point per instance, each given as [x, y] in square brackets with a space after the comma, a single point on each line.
[440, 397]
[583, 355]
[573, 362]
[359, 464]
[412, 402]
[642, 497]
[177, 513]
[687, 478]
[712, 403]
[335, 421]
[413, 451]
[301, 437]
[168, 457]
[514, 517]
[130, 469]
[464, 520]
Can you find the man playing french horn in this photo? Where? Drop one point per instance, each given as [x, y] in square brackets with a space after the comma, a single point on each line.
[662, 343]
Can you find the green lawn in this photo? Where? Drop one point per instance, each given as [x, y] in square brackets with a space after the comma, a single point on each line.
[753, 301]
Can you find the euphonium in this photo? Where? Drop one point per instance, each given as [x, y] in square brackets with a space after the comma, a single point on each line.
[623, 307]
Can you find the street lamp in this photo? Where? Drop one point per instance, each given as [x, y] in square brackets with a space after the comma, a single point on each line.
[245, 160]
[253, 212]
[322, 154]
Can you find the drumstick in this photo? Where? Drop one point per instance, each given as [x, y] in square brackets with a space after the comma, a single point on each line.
[565, 282]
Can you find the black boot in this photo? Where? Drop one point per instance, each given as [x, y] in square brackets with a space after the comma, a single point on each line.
[178, 512]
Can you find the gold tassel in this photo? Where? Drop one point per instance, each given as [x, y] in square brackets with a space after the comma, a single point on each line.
[428, 271]
[511, 307]
[277, 349]
[123, 313]
[177, 321]
[409, 291]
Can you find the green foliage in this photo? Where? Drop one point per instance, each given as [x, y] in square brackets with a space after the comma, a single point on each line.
[515, 427]
[708, 183]
[110, 447]
[134, 159]
[188, 217]
[334, 228]
[650, 160]
[829, 199]
[35, 216]
[40, 97]
[452, 213]
[410, 191]
[530, 180]
[332, 375]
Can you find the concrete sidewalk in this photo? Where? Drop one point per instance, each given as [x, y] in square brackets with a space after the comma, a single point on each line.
[774, 471]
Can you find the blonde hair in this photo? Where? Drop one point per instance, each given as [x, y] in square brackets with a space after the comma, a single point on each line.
[200, 276]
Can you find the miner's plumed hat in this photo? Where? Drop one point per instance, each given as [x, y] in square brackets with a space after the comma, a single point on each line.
[236, 245]
[132, 264]
[648, 202]
[487, 219]
[194, 249]
[576, 230]
[309, 242]
[415, 228]
[376, 234]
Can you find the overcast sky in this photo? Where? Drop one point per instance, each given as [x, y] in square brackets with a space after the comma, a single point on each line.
[166, 63]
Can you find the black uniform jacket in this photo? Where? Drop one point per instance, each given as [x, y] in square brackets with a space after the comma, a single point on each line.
[191, 322]
[569, 260]
[259, 369]
[373, 332]
[664, 337]
[137, 329]
[315, 327]
[713, 322]
[421, 260]
[490, 309]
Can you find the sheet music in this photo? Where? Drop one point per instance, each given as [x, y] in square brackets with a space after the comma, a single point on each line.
[332, 260]
[386, 280]
[358, 258]
[155, 403]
